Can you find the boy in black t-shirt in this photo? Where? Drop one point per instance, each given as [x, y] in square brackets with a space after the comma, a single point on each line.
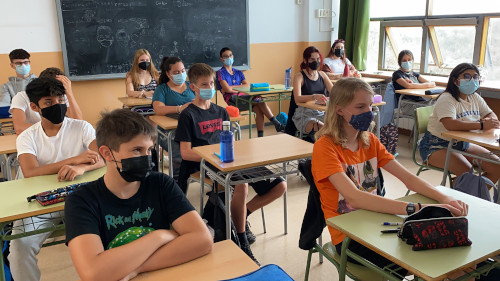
[119, 225]
[201, 124]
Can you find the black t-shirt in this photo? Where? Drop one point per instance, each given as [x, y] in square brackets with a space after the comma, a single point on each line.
[93, 209]
[199, 126]
[413, 76]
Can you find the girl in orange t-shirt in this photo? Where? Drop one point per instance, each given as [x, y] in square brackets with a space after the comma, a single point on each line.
[345, 163]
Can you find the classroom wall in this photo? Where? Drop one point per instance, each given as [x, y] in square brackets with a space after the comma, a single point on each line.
[279, 31]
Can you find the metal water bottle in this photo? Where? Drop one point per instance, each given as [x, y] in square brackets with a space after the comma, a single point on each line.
[288, 78]
[226, 143]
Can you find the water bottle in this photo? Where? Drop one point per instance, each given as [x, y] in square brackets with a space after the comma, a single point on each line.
[288, 78]
[226, 143]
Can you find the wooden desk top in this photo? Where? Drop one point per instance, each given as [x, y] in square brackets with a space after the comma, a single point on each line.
[418, 92]
[485, 139]
[130, 102]
[13, 203]
[224, 262]
[313, 105]
[5, 120]
[274, 89]
[258, 151]
[166, 123]
[369, 80]
[484, 230]
[8, 144]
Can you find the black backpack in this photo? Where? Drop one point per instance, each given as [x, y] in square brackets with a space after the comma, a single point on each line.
[215, 214]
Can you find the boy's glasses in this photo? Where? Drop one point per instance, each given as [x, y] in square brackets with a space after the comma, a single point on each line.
[19, 63]
[226, 56]
[468, 77]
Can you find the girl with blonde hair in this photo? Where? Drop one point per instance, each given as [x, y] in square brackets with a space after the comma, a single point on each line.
[142, 78]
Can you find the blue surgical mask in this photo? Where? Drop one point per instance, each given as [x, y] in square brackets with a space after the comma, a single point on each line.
[23, 69]
[407, 65]
[180, 78]
[207, 94]
[362, 122]
[468, 87]
[229, 61]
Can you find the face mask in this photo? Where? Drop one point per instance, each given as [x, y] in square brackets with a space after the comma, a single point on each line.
[55, 114]
[180, 78]
[339, 52]
[313, 65]
[135, 168]
[407, 65]
[229, 61]
[207, 94]
[468, 87]
[144, 65]
[362, 122]
[23, 69]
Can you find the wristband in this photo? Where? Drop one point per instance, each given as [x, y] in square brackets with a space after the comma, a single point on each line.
[179, 108]
[482, 124]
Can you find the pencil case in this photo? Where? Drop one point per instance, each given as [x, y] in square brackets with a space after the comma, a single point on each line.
[434, 227]
[259, 87]
[434, 91]
[54, 196]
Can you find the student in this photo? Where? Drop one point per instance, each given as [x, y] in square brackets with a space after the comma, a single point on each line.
[142, 78]
[334, 63]
[229, 78]
[22, 115]
[191, 133]
[310, 84]
[406, 78]
[119, 225]
[345, 161]
[172, 96]
[55, 145]
[20, 62]
[460, 108]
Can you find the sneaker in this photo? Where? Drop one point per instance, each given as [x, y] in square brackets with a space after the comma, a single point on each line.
[279, 127]
[248, 251]
[250, 236]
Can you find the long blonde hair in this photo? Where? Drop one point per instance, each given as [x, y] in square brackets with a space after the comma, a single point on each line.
[134, 71]
[342, 94]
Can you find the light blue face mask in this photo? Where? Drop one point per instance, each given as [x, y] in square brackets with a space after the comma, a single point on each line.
[207, 94]
[23, 69]
[229, 61]
[407, 65]
[468, 87]
[180, 78]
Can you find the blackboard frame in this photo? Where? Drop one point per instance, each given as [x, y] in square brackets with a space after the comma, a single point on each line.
[122, 75]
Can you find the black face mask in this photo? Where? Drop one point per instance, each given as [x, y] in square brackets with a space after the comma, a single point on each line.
[135, 168]
[55, 114]
[144, 65]
[313, 65]
[339, 53]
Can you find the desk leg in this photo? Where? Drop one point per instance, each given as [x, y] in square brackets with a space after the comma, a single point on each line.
[170, 135]
[398, 110]
[285, 206]
[202, 182]
[227, 198]
[2, 272]
[447, 163]
[4, 162]
[377, 121]
[343, 258]
[250, 119]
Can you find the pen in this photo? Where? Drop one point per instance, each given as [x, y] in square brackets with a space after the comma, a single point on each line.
[390, 230]
[216, 154]
[391, 223]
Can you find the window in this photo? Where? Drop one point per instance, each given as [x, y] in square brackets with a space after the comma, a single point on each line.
[457, 7]
[390, 8]
[491, 61]
[402, 38]
[372, 57]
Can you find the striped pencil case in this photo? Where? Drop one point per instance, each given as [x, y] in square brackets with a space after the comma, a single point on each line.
[259, 87]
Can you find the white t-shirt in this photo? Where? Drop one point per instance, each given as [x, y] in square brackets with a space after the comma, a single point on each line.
[21, 101]
[336, 65]
[473, 110]
[73, 139]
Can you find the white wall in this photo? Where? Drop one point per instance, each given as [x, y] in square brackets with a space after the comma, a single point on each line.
[32, 24]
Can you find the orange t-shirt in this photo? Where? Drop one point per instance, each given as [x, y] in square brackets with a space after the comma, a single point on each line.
[360, 166]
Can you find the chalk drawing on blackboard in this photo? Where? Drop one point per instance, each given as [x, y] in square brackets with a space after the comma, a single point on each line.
[88, 15]
[182, 3]
[122, 37]
[104, 36]
[175, 50]
[143, 23]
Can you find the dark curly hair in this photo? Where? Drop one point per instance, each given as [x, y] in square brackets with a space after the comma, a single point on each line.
[44, 87]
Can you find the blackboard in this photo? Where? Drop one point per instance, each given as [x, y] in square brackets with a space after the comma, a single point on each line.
[100, 37]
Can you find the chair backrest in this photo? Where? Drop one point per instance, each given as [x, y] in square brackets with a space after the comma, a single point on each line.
[422, 115]
[290, 126]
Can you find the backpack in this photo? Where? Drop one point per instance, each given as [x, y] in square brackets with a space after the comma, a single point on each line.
[389, 137]
[215, 214]
[5, 252]
[475, 185]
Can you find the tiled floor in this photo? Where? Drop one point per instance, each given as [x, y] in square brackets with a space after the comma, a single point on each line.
[273, 246]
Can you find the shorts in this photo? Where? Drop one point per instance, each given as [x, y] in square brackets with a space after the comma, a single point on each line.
[303, 116]
[243, 101]
[430, 144]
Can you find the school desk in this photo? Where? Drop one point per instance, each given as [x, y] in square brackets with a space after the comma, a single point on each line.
[8, 154]
[365, 226]
[168, 125]
[277, 92]
[224, 262]
[14, 206]
[313, 105]
[369, 80]
[487, 139]
[278, 153]
[415, 93]
[135, 104]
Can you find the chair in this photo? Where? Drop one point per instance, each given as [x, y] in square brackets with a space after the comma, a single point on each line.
[422, 115]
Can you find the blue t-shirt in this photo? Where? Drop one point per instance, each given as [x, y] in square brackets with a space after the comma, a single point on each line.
[170, 97]
[235, 79]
